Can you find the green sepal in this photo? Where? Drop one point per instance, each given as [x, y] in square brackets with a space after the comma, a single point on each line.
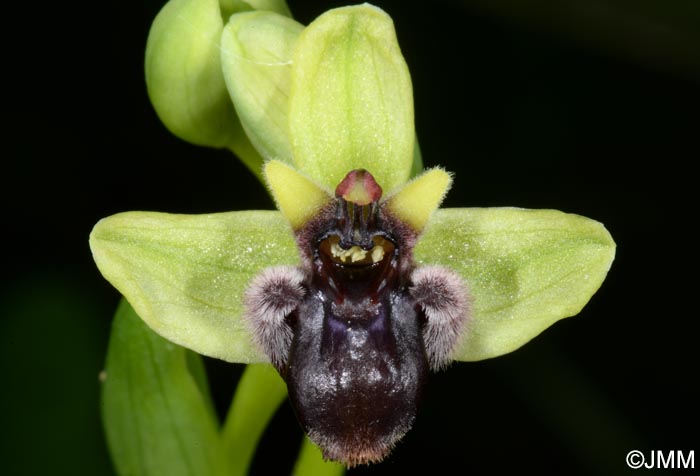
[351, 102]
[525, 269]
[256, 55]
[157, 412]
[185, 275]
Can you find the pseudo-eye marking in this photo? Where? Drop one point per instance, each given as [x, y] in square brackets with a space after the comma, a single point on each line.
[355, 329]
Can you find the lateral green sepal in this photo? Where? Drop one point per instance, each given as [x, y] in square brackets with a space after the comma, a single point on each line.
[185, 275]
[526, 269]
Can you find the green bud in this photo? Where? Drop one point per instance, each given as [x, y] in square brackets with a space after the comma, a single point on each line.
[183, 73]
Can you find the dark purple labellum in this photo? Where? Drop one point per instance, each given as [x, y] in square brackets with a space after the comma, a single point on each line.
[356, 329]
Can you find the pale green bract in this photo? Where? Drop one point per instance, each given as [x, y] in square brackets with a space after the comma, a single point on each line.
[185, 274]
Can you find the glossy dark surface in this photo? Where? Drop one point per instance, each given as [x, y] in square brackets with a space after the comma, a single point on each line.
[355, 385]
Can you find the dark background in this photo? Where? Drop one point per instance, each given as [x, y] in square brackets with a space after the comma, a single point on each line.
[589, 107]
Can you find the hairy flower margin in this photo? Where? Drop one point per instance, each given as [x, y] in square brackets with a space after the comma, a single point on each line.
[307, 105]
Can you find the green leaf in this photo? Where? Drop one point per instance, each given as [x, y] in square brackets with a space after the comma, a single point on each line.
[256, 55]
[157, 419]
[259, 393]
[351, 102]
[185, 274]
[526, 269]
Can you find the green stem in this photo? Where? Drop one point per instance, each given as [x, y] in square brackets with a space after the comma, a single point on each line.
[259, 393]
[242, 148]
[310, 462]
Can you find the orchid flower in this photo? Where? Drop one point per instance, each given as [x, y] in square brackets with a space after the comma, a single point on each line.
[359, 283]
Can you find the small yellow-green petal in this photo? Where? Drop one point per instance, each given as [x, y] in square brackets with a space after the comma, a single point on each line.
[351, 103]
[297, 197]
[256, 55]
[183, 73]
[526, 270]
[416, 201]
[185, 274]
